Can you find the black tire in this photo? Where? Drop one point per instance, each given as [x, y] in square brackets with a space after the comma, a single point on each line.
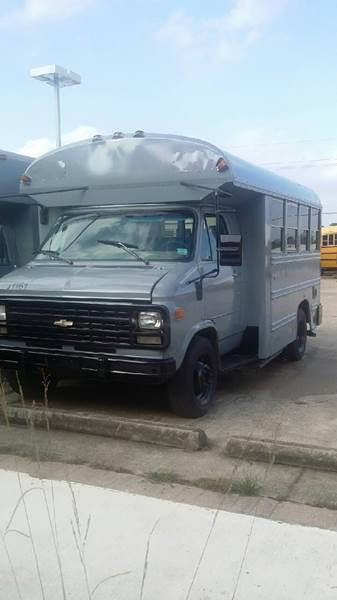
[296, 350]
[191, 392]
[32, 385]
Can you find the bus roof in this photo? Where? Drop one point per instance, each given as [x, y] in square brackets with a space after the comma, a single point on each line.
[150, 161]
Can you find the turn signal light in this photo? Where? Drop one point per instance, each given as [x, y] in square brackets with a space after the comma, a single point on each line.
[147, 340]
[179, 313]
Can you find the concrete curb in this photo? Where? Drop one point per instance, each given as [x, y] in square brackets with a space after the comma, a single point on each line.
[313, 457]
[161, 434]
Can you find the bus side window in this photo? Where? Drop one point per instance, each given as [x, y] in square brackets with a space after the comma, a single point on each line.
[292, 226]
[304, 228]
[314, 229]
[277, 225]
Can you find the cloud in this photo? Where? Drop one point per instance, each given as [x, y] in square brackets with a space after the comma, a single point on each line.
[311, 162]
[38, 146]
[250, 14]
[221, 39]
[37, 11]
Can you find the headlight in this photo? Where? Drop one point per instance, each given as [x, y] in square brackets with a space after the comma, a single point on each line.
[2, 313]
[150, 320]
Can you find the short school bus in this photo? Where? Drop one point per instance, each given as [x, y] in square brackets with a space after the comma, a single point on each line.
[168, 261]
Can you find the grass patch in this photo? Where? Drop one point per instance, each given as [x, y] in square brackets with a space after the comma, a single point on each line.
[247, 486]
[163, 477]
[221, 484]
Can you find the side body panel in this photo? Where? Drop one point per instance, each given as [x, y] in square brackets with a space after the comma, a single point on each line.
[329, 258]
[255, 277]
[291, 278]
[329, 248]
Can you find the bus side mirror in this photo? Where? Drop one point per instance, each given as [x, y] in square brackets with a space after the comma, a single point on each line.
[230, 250]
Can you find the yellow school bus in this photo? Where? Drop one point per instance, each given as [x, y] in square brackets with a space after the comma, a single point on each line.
[329, 248]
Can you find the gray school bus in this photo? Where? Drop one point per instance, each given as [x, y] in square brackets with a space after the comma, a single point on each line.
[19, 234]
[168, 260]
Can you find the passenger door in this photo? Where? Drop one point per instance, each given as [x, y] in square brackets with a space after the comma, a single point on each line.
[222, 292]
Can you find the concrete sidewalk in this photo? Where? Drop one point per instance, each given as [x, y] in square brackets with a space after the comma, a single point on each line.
[66, 540]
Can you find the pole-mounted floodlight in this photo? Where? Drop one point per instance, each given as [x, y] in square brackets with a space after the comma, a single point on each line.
[57, 77]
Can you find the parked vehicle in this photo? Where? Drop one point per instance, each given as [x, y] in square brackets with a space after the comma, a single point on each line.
[329, 248]
[169, 260]
[18, 218]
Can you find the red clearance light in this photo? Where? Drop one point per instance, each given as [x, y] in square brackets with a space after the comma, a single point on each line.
[117, 135]
[25, 179]
[139, 133]
[221, 165]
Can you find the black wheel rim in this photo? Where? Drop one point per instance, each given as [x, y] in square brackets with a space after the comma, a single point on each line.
[301, 336]
[203, 380]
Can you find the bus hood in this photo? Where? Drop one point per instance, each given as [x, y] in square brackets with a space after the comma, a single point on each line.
[63, 281]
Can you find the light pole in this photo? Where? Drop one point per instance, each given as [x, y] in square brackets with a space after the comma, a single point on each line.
[57, 77]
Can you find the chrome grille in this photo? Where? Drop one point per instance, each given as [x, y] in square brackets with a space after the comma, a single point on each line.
[98, 327]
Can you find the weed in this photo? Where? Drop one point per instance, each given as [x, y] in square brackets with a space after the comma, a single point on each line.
[247, 486]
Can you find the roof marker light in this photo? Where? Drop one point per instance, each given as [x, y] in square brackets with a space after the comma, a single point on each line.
[221, 165]
[139, 133]
[117, 135]
[97, 138]
[26, 179]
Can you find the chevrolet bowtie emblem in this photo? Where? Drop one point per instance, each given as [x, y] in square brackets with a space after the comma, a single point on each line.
[64, 323]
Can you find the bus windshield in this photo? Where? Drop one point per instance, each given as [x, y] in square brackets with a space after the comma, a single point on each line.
[161, 236]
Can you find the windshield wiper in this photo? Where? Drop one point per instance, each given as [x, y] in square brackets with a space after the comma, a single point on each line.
[54, 254]
[129, 248]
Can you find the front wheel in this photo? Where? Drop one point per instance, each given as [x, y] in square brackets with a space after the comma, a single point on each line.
[191, 392]
[296, 350]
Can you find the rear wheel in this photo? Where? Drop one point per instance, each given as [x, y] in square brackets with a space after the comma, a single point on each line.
[296, 350]
[33, 386]
[191, 392]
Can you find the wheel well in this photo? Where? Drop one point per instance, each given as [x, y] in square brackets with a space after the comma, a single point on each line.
[305, 307]
[210, 334]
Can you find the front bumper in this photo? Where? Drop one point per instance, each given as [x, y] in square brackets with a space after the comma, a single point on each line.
[123, 368]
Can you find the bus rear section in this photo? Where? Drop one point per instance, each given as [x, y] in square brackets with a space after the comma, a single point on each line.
[329, 248]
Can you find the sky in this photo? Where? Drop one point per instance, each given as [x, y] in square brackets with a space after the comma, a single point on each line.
[256, 77]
